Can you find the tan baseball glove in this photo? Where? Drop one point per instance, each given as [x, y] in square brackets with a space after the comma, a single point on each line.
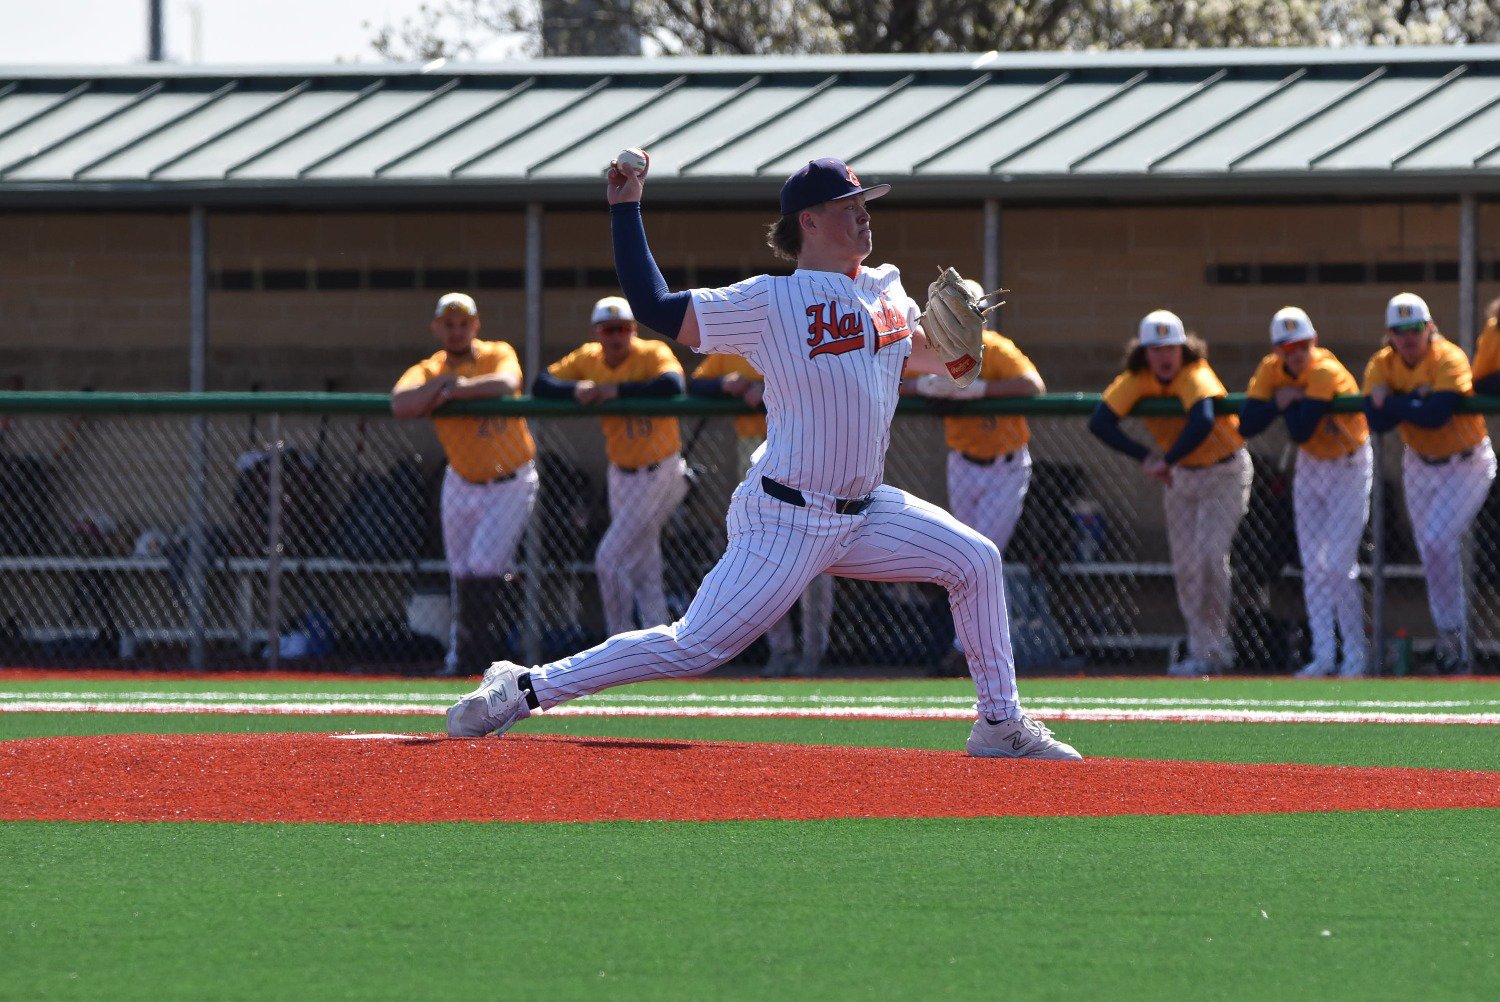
[954, 324]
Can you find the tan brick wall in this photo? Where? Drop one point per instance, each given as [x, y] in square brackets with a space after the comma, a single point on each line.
[101, 299]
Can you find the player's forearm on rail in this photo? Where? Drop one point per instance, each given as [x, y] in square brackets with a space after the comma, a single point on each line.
[1488, 385]
[1027, 385]
[549, 387]
[414, 402]
[483, 387]
[668, 384]
[1200, 424]
[1104, 424]
[1302, 419]
[1256, 416]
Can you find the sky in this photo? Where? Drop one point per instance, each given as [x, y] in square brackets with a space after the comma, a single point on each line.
[114, 32]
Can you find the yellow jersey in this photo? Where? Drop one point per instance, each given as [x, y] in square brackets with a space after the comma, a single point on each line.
[1444, 369]
[630, 441]
[1195, 381]
[719, 366]
[1337, 435]
[1487, 351]
[992, 435]
[478, 448]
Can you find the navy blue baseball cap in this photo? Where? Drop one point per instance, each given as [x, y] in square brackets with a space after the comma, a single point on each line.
[826, 179]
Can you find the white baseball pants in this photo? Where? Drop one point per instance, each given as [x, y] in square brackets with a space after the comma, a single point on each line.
[989, 498]
[1442, 502]
[1331, 499]
[817, 601]
[482, 526]
[1203, 508]
[775, 549]
[482, 523]
[628, 561]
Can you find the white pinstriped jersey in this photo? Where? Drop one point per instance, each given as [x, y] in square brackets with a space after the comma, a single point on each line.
[832, 349]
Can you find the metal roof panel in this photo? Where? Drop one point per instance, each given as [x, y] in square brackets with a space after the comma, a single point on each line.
[1296, 150]
[1259, 123]
[592, 156]
[64, 120]
[1016, 132]
[354, 121]
[82, 149]
[1056, 152]
[514, 118]
[274, 125]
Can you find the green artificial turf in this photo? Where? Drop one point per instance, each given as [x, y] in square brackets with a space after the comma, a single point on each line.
[1417, 745]
[1391, 905]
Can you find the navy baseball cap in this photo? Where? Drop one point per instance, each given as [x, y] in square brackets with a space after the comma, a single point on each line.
[826, 179]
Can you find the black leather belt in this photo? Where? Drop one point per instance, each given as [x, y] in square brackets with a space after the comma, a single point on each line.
[841, 506]
[1444, 461]
[988, 460]
[502, 478]
[640, 469]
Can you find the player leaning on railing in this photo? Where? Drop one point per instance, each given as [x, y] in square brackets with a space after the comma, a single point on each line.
[1331, 490]
[831, 340]
[1415, 383]
[1201, 462]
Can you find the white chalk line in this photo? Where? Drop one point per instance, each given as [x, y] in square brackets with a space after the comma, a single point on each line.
[813, 700]
[887, 711]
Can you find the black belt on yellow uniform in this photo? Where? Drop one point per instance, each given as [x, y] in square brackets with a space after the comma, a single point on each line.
[841, 506]
[502, 478]
[990, 460]
[640, 469]
[1445, 460]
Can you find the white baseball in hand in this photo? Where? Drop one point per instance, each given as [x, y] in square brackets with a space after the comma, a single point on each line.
[632, 161]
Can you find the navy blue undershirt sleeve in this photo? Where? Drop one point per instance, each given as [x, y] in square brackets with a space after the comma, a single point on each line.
[1431, 411]
[1489, 385]
[549, 387]
[1105, 426]
[711, 387]
[652, 302]
[1256, 416]
[1200, 423]
[1302, 418]
[1381, 420]
[668, 384]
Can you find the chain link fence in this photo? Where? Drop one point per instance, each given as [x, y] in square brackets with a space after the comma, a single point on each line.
[136, 532]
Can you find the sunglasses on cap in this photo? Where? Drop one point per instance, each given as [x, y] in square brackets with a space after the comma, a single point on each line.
[1413, 328]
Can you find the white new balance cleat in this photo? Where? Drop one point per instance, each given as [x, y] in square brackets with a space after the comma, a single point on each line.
[1018, 737]
[1316, 669]
[493, 708]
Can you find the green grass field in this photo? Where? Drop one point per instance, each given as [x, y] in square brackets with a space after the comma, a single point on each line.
[1330, 905]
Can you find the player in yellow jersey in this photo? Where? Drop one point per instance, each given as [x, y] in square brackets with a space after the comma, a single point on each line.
[490, 484]
[1487, 353]
[989, 463]
[1202, 463]
[1331, 488]
[647, 476]
[732, 376]
[1415, 383]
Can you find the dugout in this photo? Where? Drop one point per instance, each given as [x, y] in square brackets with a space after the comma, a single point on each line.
[211, 228]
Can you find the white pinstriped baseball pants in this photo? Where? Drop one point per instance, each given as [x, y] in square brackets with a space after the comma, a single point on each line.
[1331, 499]
[1204, 506]
[817, 601]
[1442, 502]
[628, 561]
[774, 550]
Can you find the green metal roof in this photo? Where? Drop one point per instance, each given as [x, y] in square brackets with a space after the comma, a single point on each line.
[1393, 121]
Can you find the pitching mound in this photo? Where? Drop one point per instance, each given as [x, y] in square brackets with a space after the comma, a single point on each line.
[422, 778]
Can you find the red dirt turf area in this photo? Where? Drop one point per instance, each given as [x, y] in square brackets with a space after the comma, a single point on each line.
[422, 778]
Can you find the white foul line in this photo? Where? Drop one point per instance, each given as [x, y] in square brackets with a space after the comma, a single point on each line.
[872, 711]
